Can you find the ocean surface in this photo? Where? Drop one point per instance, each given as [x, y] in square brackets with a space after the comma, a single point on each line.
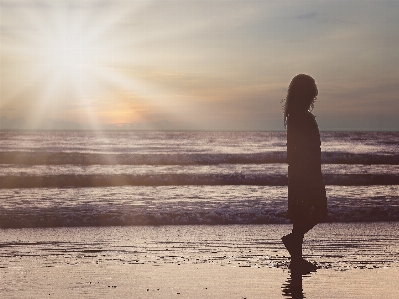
[64, 179]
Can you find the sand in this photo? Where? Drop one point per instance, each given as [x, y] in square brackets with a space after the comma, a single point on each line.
[192, 281]
[355, 260]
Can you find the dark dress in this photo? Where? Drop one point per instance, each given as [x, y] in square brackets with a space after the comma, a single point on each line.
[307, 201]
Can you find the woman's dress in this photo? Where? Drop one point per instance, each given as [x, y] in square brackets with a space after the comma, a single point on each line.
[307, 201]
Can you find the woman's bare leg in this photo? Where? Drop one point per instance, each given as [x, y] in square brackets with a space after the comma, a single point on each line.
[293, 242]
[298, 233]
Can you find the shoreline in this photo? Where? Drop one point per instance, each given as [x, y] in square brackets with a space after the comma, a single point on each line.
[337, 246]
[356, 260]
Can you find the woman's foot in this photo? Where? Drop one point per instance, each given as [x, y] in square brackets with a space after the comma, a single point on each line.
[302, 265]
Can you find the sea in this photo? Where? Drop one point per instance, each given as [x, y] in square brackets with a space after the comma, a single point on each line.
[148, 178]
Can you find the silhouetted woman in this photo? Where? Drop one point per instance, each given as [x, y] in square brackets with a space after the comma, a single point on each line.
[307, 202]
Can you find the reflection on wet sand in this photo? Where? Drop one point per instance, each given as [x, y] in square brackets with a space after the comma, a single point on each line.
[292, 288]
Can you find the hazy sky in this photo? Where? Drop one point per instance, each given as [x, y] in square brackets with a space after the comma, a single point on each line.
[205, 65]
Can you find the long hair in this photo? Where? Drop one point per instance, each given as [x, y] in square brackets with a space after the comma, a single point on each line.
[302, 93]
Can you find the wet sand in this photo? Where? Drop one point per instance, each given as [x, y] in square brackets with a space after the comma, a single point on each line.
[355, 260]
[193, 281]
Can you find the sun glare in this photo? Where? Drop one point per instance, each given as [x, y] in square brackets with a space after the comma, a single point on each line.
[77, 61]
[71, 58]
[68, 55]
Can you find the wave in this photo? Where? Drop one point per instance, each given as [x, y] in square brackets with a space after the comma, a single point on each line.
[127, 216]
[170, 205]
[181, 179]
[78, 158]
[52, 158]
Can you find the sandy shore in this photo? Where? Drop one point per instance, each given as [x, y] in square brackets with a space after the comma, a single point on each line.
[193, 281]
[355, 260]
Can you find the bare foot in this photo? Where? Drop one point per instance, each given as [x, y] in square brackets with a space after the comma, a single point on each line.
[302, 265]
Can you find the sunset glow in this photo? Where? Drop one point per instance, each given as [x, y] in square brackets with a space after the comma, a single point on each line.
[220, 65]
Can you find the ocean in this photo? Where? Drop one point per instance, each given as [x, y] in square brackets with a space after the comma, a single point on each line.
[72, 179]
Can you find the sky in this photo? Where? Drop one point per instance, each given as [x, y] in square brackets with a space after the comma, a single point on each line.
[196, 65]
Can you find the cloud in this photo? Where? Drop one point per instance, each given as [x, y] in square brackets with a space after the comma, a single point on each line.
[307, 16]
[26, 4]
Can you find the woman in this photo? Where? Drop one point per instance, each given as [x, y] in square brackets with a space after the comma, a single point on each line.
[307, 202]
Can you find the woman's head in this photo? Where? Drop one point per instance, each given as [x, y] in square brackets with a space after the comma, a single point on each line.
[301, 95]
[303, 88]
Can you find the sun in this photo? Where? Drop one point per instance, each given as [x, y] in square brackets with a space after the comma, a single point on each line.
[71, 58]
[88, 63]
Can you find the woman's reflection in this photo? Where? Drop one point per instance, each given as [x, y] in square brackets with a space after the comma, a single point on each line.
[292, 288]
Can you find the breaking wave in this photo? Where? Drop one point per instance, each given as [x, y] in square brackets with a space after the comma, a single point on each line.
[181, 179]
[78, 158]
[126, 215]
[171, 205]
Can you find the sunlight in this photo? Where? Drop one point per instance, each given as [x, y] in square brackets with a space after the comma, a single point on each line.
[69, 55]
[91, 65]
[72, 58]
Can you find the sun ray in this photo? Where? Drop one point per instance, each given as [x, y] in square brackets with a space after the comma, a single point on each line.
[81, 57]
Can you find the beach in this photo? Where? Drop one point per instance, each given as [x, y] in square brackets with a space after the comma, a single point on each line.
[355, 260]
[193, 281]
[162, 149]
[191, 215]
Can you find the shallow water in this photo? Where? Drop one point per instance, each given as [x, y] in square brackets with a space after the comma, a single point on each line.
[163, 205]
[336, 246]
